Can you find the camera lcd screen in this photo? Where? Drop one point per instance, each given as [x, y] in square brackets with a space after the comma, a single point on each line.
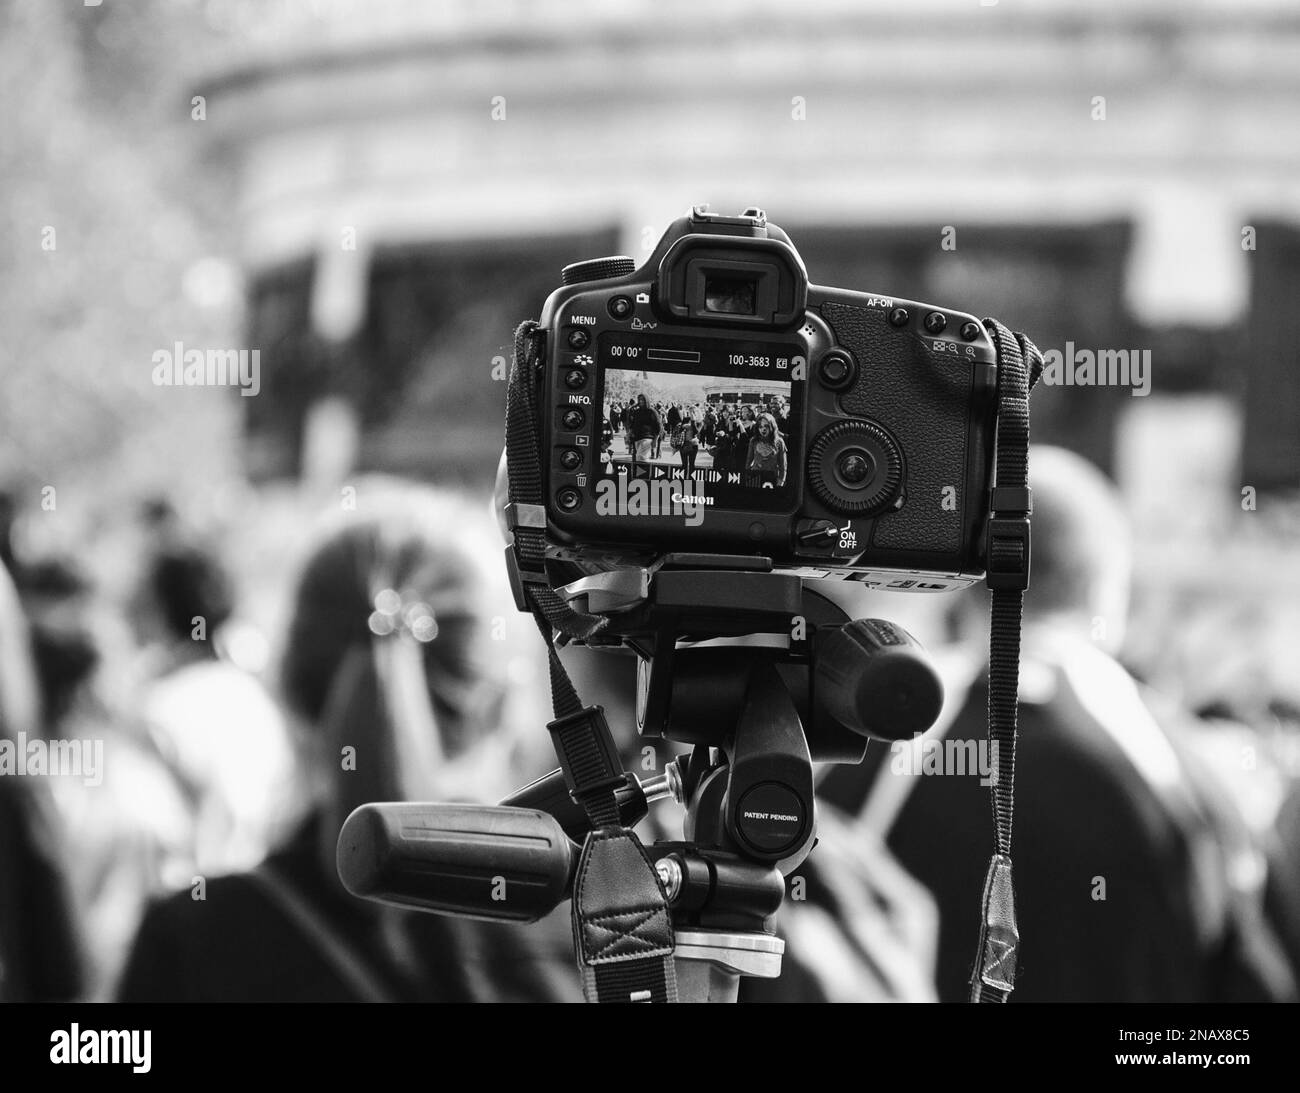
[729, 295]
[723, 416]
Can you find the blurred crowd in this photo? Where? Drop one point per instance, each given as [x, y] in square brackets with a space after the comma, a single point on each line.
[190, 856]
[193, 858]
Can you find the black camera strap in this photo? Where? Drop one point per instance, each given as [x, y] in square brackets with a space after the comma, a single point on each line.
[1019, 366]
[622, 931]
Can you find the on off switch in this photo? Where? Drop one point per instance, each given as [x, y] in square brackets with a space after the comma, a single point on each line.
[819, 533]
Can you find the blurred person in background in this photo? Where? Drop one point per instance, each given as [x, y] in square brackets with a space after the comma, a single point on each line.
[1236, 670]
[55, 593]
[388, 670]
[1136, 880]
[8, 519]
[1236, 665]
[865, 930]
[40, 950]
[58, 597]
[127, 832]
[214, 724]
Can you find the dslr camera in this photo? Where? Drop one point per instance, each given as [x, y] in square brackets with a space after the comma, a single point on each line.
[714, 401]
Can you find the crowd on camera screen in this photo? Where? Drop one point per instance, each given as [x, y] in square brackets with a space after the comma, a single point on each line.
[741, 437]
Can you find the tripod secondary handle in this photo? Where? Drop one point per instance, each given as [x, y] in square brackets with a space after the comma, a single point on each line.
[475, 861]
[876, 679]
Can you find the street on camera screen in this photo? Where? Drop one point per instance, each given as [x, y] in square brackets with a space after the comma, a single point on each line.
[721, 417]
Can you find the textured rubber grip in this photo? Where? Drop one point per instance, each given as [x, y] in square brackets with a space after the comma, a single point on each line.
[475, 861]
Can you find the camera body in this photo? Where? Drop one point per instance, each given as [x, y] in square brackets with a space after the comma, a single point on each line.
[714, 401]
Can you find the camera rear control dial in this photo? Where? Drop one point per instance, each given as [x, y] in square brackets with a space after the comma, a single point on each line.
[855, 467]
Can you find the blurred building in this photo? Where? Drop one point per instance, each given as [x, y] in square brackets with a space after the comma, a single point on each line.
[1119, 176]
[411, 175]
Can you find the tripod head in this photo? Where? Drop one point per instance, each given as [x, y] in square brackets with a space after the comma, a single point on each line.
[762, 674]
[767, 669]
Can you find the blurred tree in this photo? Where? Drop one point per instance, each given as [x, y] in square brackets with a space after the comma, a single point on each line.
[107, 217]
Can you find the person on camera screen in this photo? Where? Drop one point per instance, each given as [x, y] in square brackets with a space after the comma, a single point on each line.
[766, 459]
[644, 430]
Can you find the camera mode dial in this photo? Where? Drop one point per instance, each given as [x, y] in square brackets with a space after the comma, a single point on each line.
[855, 467]
[597, 269]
